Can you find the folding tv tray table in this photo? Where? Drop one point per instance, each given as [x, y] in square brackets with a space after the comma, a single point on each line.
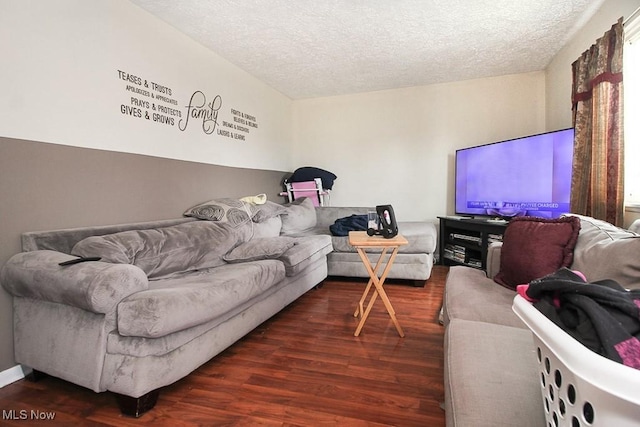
[362, 241]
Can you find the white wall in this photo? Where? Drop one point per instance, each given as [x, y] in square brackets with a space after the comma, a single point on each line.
[60, 84]
[398, 146]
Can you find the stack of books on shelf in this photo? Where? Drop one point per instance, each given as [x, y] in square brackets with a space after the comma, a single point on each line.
[458, 253]
[467, 238]
[455, 252]
[473, 262]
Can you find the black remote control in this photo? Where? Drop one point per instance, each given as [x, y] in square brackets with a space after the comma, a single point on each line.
[79, 260]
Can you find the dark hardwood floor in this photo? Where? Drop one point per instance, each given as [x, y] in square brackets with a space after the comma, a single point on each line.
[303, 367]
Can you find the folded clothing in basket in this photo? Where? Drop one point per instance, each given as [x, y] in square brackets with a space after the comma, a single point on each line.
[602, 315]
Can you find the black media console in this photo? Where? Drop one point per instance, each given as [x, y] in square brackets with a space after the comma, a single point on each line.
[464, 241]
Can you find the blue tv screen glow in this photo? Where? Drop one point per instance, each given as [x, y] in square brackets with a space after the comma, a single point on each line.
[524, 176]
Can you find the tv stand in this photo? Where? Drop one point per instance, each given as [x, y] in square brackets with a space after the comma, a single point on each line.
[466, 241]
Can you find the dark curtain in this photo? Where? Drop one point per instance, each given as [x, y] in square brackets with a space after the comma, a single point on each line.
[597, 187]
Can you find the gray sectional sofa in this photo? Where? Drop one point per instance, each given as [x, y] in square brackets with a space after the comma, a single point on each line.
[166, 297]
[414, 261]
[491, 372]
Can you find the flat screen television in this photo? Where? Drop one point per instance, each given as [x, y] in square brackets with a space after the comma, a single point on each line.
[523, 176]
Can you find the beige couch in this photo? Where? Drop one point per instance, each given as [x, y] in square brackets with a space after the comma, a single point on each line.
[491, 374]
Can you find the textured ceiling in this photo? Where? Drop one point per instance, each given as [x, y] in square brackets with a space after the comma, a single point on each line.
[311, 48]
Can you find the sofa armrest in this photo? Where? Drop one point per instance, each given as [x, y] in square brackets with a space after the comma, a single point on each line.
[94, 286]
[493, 259]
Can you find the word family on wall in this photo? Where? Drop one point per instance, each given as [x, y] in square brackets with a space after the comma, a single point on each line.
[156, 103]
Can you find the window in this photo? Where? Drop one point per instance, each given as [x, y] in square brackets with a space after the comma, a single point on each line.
[631, 72]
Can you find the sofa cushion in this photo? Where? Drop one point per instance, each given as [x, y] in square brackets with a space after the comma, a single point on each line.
[534, 247]
[299, 216]
[267, 210]
[406, 266]
[422, 238]
[233, 211]
[190, 299]
[491, 376]
[163, 251]
[268, 228]
[327, 215]
[470, 295]
[306, 250]
[257, 249]
[604, 251]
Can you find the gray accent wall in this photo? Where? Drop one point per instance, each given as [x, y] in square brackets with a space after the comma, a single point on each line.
[47, 186]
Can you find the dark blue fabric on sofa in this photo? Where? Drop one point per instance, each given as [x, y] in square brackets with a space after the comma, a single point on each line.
[343, 226]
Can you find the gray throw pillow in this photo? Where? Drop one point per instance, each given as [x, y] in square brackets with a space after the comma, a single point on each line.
[266, 211]
[232, 211]
[604, 251]
[299, 217]
[267, 228]
[257, 249]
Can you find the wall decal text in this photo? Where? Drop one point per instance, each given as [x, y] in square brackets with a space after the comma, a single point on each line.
[157, 103]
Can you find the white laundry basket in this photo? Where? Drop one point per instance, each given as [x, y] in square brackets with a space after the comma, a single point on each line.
[579, 388]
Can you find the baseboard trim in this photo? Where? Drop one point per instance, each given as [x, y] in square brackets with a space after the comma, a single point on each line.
[11, 375]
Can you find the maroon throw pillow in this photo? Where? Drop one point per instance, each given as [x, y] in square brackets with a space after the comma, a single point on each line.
[534, 247]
